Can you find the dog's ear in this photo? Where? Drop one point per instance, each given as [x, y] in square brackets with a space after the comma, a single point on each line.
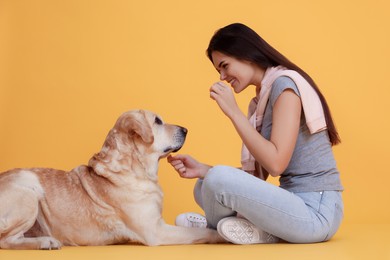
[135, 124]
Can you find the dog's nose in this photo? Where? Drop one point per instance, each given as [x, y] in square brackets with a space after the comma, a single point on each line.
[185, 130]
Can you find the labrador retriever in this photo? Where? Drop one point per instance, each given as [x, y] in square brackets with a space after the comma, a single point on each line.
[115, 199]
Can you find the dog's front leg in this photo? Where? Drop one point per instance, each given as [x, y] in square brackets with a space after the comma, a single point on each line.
[174, 235]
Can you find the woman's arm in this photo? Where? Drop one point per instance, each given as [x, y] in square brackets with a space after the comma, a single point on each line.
[275, 154]
[188, 167]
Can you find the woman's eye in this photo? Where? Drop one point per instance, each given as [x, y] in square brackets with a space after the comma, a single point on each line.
[158, 121]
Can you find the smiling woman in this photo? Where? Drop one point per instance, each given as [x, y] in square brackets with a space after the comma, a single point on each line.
[237, 72]
[288, 118]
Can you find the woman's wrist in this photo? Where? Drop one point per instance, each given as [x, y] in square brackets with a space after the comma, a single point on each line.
[236, 115]
[203, 172]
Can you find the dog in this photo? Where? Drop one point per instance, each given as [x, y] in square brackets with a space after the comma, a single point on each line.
[115, 199]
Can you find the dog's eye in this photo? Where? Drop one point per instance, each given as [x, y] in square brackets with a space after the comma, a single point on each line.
[158, 121]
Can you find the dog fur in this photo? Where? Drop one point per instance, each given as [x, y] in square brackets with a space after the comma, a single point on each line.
[115, 199]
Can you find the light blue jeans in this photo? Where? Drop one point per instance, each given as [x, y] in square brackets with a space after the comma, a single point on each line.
[304, 217]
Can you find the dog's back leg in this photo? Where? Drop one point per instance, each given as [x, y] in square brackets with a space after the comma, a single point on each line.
[17, 219]
[18, 212]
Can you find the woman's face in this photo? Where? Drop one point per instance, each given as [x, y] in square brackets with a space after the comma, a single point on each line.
[238, 73]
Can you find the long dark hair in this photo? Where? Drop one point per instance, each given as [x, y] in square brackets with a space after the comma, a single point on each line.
[241, 42]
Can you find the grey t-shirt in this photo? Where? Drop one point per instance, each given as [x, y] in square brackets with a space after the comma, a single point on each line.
[312, 166]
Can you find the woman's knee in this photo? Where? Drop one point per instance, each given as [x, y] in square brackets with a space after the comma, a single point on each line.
[218, 177]
[211, 185]
[198, 193]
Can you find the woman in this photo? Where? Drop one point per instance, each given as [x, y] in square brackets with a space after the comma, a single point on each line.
[289, 134]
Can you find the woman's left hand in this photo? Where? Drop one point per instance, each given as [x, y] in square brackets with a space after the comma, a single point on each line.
[224, 97]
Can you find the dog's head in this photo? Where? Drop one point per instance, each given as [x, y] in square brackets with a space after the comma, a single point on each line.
[148, 132]
[138, 139]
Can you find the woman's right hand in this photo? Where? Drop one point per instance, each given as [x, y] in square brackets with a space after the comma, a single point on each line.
[188, 167]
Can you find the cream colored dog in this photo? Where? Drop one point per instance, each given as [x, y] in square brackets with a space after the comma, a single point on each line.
[115, 199]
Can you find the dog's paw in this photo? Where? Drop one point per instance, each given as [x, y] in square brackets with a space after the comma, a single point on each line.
[216, 238]
[49, 243]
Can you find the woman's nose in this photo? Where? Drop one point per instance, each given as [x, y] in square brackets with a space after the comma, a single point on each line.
[222, 76]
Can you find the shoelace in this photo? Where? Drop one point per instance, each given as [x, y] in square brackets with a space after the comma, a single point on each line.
[197, 221]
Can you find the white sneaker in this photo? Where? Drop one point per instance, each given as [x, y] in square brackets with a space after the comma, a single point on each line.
[241, 231]
[191, 219]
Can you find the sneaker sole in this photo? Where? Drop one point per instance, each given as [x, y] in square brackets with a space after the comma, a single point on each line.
[242, 232]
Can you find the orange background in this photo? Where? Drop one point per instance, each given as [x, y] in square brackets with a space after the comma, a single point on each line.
[68, 69]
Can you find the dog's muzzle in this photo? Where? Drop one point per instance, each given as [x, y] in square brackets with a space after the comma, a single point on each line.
[179, 138]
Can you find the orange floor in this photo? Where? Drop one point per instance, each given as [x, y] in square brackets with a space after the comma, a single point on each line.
[351, 242]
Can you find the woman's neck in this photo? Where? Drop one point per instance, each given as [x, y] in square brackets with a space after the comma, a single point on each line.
[259, 75]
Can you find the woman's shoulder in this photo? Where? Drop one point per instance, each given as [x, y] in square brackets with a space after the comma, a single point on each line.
[281, 84]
